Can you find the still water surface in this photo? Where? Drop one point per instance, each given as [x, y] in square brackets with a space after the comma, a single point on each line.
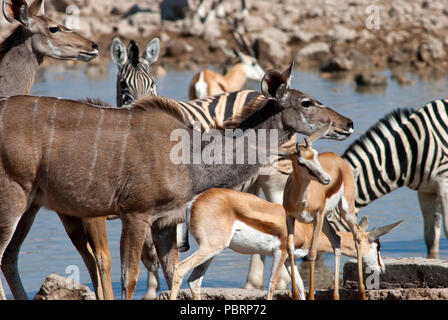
[48, 249]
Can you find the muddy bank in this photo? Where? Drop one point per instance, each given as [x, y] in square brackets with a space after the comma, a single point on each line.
[329, 35]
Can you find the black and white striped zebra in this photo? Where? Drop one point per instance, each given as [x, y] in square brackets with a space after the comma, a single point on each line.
[407, 148]
[134, 78]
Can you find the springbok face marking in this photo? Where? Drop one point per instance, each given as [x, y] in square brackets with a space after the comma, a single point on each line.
[48, 37]
[251, 66]
[134, 79]
[303, 113]
[308, 158]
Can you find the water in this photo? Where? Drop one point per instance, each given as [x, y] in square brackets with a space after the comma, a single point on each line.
[47, 248]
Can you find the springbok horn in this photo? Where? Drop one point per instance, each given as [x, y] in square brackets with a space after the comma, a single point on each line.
[364, 223]
[319, 133]
[376, 233]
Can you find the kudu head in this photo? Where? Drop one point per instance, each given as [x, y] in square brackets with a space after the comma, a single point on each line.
[302, 113]
[48, 38]
[370, 244]
[308, 158]
[134, 78]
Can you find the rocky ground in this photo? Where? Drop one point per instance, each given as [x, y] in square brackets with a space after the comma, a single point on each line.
[330, 35]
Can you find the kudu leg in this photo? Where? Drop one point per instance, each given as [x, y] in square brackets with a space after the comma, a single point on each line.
[133, 235]
[255, 273]
[151, 262]
[11, 255]
[13, 205]
[76, 232]
[166, 246]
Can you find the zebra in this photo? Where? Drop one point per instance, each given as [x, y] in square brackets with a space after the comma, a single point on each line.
[134, 78]
[407, 148]
[404, 148]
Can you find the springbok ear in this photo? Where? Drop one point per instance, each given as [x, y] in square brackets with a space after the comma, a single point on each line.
[118, 52]
[133, 52]
[376, 233]
[152, 51]
[16, 10]
[364, 223]
[273, 85]
[37, 8]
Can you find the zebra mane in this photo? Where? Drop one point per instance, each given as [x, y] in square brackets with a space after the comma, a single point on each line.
[95, 101]
[249, 109]
[164, 104]
[398, 116]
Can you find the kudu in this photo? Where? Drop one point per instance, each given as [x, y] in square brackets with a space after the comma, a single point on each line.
[36, 37]
[63, 158]
[21, 53]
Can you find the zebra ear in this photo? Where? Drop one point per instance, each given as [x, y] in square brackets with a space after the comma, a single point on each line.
[152, 51]
[118, 52]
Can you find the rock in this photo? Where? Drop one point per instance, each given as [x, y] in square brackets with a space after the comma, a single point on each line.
[431, 49]
[254, 23]
[56, 287]
[174, 9]
[314, 50]
[302, 36]
[401, 79]
[177, 48]
[125, 29]
[345, 294]
[370, 79]
[404, 273]
[337, 63]
[272, 44]
[341, 33]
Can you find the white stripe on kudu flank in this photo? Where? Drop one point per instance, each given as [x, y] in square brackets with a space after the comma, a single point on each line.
[95, 149]
[35, 110]
[50, 142]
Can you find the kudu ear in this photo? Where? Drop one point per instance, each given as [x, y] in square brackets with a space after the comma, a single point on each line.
[118, 52]
[364, 223]
[37, 8]
[16, 10]
[287, 73]
[273, 85]
[152, 51]
[376, 233]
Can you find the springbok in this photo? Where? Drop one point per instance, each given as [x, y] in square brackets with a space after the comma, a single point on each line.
[36, 37]
[134, 78]
[62, 159]
[225, 218]
[208, 83]
[317, 185]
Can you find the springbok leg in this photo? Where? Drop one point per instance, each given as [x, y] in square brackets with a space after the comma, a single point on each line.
[290, 224]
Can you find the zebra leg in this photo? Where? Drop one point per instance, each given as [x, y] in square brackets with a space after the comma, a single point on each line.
[443, 196]
[429, 205]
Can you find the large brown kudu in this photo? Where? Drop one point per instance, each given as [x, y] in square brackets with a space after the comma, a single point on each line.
[21, 53]
[64, 158]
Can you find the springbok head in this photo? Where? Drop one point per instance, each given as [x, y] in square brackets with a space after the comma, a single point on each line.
[303, 113]
[248, 59]
[308, 158]
[134, 78]
[48, 38]
[370, 244]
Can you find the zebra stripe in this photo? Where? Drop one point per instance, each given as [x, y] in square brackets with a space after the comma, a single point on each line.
[405, 147]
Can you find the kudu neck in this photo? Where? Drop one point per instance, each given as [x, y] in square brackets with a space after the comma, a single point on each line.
[18, 63]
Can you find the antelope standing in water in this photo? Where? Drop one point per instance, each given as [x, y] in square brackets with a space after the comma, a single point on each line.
[247, 224]
[317, 185]
[63, 160]
[208, 83]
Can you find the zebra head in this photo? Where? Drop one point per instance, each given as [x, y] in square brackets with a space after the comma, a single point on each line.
[303, 113]
[134, 78]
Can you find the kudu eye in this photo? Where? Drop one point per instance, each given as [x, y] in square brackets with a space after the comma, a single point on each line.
[307, 103]
[54, 29]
